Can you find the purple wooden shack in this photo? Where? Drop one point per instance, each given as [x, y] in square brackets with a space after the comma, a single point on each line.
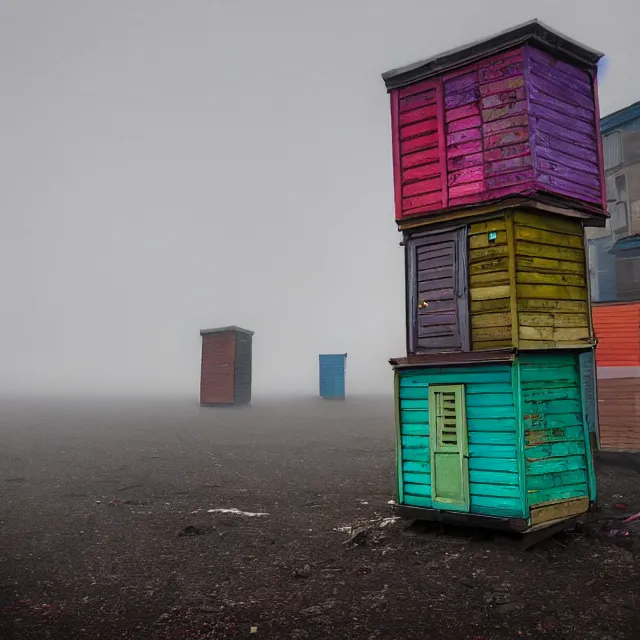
[513, 115]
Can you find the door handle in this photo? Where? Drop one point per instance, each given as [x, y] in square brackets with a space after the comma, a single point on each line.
[423, 304]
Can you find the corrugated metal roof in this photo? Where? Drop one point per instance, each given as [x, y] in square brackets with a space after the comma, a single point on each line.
[532, 31]
[619, 118]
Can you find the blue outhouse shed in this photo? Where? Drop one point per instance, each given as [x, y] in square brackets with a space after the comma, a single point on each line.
[332, 375]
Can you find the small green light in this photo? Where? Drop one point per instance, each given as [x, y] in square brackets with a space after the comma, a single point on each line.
[493, 235]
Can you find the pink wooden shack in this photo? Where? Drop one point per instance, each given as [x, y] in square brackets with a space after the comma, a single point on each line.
[513, 115]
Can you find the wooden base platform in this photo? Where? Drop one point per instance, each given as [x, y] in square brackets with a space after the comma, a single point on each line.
[533, 531]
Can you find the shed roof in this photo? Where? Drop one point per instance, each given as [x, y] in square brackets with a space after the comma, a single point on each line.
[225, 330]
[534, 32]
[620, 118]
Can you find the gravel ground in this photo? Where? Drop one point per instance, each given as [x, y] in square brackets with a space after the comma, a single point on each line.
[106, 533]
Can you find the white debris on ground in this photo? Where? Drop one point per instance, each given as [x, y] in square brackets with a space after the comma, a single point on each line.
[233, 511]
[391, 502]
[237, 512]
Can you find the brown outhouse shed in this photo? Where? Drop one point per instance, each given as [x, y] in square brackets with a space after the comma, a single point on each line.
[225, 373]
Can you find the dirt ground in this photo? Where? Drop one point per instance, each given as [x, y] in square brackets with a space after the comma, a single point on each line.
[105, 533]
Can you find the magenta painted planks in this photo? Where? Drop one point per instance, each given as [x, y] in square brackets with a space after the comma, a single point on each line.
[463, 161]
[506, 123]
[420, 142]
[424, 99]
[460, 83]
[466, 190]
[508, 166]
[470, 96]
[462, 112]
[511, 151]
[501, 86]
[506, 97]
[464, 148]
[505, 111]
[510, 179]
[417, 115]
[518, 122]
[519, 135]
[422, 186]
[464, 136]
[421, 172]
[420, 157]
[418, 129]
[473, 174]
[466, 123]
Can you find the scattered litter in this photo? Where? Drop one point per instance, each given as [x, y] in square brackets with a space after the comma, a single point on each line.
[614, 533]
[363, 502]
[391, 502]
[621, 506]
[632, 518]
[368, 531]
[237, 512]
[254, 629]
[387, 521]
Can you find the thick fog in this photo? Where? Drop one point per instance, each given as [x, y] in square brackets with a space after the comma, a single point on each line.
[174, 165]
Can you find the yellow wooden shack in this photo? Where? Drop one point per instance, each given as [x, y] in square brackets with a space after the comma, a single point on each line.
[512, 278]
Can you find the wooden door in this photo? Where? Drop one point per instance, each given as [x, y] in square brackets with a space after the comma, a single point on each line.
[449, 448]
[438, 300]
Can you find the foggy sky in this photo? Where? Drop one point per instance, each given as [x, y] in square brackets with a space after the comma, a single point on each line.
[172, 165]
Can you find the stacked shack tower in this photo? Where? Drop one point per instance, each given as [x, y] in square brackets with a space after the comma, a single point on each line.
[497, 162]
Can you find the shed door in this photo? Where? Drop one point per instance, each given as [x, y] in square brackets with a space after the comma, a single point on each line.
[438, 297]
[449, 447]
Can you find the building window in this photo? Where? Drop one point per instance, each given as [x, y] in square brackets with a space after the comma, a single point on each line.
[617, 203]
[628, 279]
[612, 149]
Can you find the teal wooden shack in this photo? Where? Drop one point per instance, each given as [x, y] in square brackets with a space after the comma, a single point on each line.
[501, 443]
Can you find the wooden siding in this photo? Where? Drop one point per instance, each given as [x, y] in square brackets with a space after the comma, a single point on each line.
[486, 120]
[437, 307]
[493, 443]
[552, 293]
[619, 413]
[489, 286]
[562, 111]
[617, 329]
[242, 373]
[418, 148]
[517, 123]
[217, 368]
[528, 286]
[557, 454]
